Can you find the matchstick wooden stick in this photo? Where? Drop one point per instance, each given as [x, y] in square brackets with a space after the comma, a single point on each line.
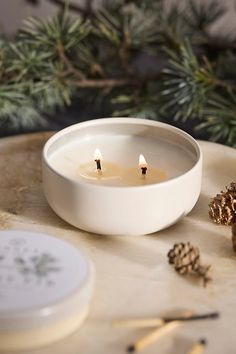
[199, 347]
[140, 323]
[149, 322]
[156, 322]
[153, 336]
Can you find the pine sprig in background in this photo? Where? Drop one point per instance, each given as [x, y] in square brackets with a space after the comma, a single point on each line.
[139, 58]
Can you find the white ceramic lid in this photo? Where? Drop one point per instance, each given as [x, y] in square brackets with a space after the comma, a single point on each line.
[42, 280]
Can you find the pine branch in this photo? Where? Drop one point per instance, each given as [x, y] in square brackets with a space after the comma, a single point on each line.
[118, 55]
[127, 26]
[219, 118]
[187, 84]
[105, 83]
[67, 62]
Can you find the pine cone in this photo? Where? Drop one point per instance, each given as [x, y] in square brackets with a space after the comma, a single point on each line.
[186, 260]
[223, 206]
[234, 237]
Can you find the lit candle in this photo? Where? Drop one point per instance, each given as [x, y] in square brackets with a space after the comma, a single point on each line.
[111, 173]
[116, 162]
[149, 174]
[110, 202]
[104, 172]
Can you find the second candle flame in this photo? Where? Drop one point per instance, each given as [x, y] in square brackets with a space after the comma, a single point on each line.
[143, 164]
[97, 155]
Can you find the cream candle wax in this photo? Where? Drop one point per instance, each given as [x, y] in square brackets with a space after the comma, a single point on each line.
[120, 160]
[122, 199]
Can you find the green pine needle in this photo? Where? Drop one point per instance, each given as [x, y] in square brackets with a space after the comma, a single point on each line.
[187, 84]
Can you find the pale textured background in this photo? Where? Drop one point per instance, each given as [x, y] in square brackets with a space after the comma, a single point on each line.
[12, 12]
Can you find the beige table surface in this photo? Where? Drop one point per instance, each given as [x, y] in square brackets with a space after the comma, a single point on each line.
[133, 277]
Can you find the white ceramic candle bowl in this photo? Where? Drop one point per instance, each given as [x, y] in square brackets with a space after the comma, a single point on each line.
[123, 210]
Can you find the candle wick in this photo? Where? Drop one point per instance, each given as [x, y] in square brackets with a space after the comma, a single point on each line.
[144, 170]
[98, 162]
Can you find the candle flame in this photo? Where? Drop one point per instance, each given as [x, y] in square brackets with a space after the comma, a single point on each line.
[142, 161]
[97, 154]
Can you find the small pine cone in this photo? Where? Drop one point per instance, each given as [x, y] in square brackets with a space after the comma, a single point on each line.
[223, 206]
[186, 260]
[234, 237]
